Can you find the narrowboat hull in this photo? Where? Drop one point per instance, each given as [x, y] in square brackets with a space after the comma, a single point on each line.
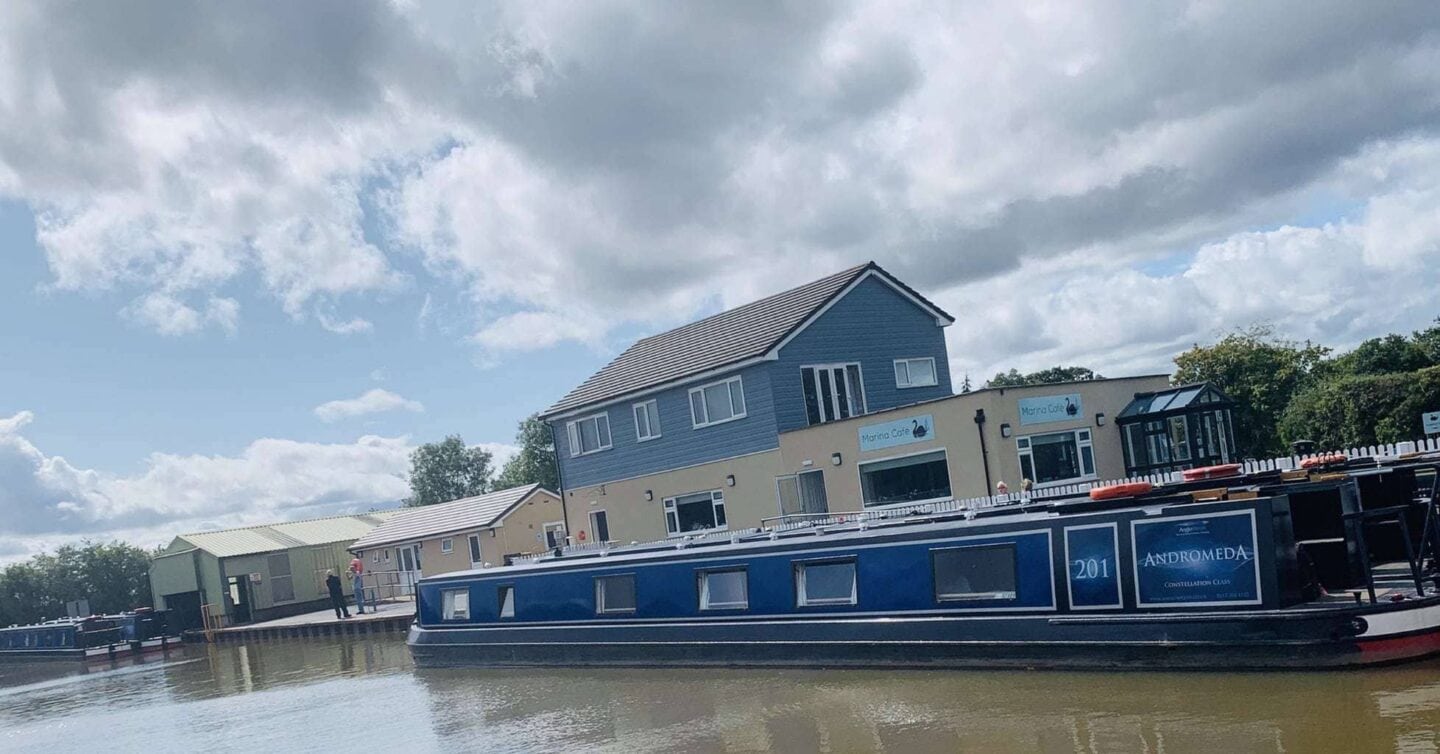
[1310, 639]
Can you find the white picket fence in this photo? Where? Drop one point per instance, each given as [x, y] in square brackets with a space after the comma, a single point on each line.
[821, 522]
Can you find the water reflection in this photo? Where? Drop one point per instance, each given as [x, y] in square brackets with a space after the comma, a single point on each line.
[327, 695]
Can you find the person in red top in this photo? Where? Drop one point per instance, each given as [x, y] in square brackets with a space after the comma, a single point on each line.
[357, 571]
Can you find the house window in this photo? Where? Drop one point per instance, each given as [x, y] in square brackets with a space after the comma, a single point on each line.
[825, 583]
[282, 584]
[700, 511]
[984, 572]
[447, 546]
[600, 526]
[507, 601]
[1180, 438]
[717, 402]
[615, 594]
[832, 391]
[475, 548]
[589, 435]
[724, 590]
[907, 479]
[455, 604]
[1056, 457]
[647, 421]
[914, 372]
[375, 557]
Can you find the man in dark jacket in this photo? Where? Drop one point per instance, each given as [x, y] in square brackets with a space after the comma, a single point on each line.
[337, 595]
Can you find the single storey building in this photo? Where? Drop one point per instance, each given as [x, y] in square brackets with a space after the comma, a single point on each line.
[254, 573]
[464, 534]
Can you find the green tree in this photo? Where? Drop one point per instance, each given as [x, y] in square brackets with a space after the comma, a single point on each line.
[112, 576]
[535, 463]
[1365, 409]
[447, 470]
[1391, 354]
[1260, 373]
[1014, 378]
[1428, 341]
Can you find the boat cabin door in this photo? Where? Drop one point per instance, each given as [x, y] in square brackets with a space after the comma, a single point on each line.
[409, 565]
[238, 590]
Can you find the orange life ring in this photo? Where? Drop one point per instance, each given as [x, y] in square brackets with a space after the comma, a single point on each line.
[1130, 489]
[1325, 460]
[1211, 472]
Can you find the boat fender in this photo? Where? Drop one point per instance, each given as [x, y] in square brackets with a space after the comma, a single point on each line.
[1113, 491]
[1325, 460]
[1211, 472]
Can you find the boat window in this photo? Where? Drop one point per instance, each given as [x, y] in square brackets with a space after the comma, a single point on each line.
[983, 572]
[907, 479]
[615, 594]
[455, 604]
[507, 601]
[724, 590]
[825, 583]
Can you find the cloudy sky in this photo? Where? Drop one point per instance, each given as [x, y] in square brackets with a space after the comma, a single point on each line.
[251, 254]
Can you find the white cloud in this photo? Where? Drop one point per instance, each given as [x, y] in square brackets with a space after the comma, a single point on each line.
[373, 401]
[347, 327]
[168, 315]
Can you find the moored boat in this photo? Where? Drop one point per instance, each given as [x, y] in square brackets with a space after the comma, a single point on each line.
[96, 637]
[1325, 567]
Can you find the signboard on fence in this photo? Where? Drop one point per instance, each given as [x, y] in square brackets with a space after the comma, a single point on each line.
[1201, 560]
[1431, 420]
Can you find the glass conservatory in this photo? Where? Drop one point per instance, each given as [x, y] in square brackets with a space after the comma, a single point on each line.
[1185, 427]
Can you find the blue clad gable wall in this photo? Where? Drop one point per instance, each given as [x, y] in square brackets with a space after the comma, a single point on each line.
[679, 444]
[872, 325]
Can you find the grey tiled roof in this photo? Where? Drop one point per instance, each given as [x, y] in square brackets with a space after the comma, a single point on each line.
[726, 338]
[412, 524]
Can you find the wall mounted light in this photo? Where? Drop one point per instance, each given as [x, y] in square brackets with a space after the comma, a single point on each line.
[730, 480]
[649, 495]
[835, 459]
[807, 463]
[1004, 430]
[1099, 420]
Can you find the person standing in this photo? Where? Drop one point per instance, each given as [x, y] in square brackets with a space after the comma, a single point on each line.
[337, 595]
[357, 582]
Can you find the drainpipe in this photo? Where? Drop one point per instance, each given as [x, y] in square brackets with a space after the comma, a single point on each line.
[984, 454]
[559, 480]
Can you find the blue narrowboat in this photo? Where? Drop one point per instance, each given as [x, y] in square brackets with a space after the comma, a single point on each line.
[97, 637]
[1327, 567]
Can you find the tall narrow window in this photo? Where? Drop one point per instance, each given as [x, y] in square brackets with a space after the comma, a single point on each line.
[915, 372]
[589, 435]
[600, 526]
[282, 583]
[1180, 438]
[647, 420]
[717, 402]
[474, 548]
[832, 391]
[615, 594]
[507, 601]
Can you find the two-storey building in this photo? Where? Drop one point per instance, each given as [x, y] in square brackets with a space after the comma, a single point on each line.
[681, 432]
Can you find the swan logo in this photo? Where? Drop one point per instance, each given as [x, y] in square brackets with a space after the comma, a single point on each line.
[899, 432]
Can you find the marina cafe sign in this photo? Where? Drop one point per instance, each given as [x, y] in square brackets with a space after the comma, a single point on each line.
[899, 432]
[1050, 408]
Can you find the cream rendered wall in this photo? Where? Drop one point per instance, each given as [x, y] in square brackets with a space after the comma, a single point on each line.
[632, 518]
[955, 431]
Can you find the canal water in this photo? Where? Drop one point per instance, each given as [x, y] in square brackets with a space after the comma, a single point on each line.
[367, 696]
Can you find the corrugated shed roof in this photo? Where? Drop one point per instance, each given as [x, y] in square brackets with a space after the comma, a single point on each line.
[250, 540]
[411, 524]
[726, 338]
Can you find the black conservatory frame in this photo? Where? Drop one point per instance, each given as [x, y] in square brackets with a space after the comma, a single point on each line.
[1184, 427]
